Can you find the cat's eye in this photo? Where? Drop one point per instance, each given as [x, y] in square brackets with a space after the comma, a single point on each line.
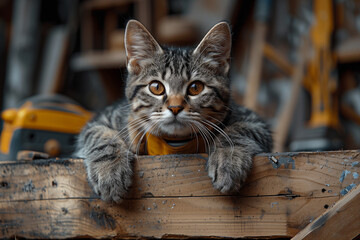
[157, 88]
[195, 88]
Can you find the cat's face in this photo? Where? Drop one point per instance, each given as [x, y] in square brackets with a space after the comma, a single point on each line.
[177, 92]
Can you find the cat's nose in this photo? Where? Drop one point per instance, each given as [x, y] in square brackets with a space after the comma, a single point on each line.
[176, 109]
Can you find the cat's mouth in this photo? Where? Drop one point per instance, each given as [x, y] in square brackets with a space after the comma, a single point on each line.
[174, 121]
[176, 127]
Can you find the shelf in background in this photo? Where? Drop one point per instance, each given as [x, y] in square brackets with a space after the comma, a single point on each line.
[348, 51]
[98, 60]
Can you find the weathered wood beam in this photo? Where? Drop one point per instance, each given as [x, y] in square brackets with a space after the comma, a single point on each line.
[173, 196]
[343, 217]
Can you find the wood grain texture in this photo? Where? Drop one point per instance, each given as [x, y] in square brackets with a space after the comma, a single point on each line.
[344, 216]
[173, 196]
[222, 216]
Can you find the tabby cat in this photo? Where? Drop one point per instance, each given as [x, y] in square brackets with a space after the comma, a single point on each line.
[173, 94]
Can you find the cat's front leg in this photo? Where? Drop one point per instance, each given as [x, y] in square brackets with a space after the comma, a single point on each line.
[228, 167]
[109, 163]
[230, 161]
[110, 171]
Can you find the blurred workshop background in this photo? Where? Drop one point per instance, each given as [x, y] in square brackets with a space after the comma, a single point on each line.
[296, 63]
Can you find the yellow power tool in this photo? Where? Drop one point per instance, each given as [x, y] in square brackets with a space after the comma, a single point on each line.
[46, 124]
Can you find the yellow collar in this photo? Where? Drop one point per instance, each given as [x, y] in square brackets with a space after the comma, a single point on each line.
[159, 146]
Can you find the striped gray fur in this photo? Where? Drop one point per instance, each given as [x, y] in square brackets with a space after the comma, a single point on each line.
[233, 134]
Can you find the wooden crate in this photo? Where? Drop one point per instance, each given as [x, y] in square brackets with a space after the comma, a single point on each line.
[172, 197]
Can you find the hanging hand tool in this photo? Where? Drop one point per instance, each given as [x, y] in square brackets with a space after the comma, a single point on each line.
[321, 83]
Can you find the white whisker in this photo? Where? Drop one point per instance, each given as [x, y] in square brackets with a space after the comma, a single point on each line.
[222, 133]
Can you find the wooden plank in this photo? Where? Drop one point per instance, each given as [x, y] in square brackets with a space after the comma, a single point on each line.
[98, 60]
[278, 59]
[255, 62]
[172, 196]
[221, 216]
[344, 217]
[348, 51]
[300, 174]
[143, 14]
[53, 62]
[87, 31]
[105, 4]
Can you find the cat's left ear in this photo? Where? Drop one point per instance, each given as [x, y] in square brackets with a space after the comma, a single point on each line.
[140, 47]
[214, 49]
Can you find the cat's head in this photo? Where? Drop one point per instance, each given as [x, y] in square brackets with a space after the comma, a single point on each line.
[177, 91]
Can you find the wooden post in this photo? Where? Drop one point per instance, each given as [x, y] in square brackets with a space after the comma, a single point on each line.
[255, 66]
[262, 13]
[283, 124]
[22, 52]
[143, 12]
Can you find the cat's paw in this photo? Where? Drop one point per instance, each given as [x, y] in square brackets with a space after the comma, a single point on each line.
[228, 168]
[111, 175]
[114, 186]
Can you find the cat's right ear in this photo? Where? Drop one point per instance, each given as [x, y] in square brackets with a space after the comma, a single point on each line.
[214, 49]
[140, 47]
